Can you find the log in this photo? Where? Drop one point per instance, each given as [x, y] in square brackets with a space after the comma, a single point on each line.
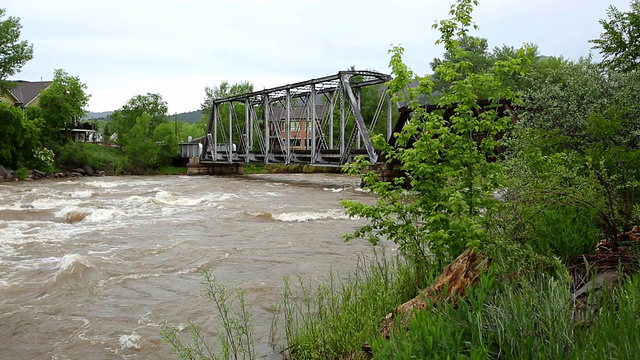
[462, 272]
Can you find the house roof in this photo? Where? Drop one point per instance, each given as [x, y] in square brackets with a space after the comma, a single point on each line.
[26, 91]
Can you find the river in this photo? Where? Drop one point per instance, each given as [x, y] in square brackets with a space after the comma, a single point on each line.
[90, 266]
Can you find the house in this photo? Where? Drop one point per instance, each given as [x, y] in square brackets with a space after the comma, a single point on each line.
[300, 126]
[24, 94]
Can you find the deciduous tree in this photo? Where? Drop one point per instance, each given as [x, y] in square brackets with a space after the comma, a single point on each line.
[443, 202]
[14, 53]
[619, 44]
[62, 104]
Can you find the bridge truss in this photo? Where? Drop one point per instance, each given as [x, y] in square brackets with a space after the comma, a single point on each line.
[315, 122]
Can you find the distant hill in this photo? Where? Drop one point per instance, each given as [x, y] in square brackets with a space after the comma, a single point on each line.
[97, 115]
[190, 117]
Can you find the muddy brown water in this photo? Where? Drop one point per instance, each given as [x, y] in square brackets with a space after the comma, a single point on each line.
[89, 267]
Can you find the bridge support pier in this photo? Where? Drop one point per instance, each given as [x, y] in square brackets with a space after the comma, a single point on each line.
[195, 167]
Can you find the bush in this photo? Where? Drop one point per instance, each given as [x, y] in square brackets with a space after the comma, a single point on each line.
[98, 157]
[566, 232]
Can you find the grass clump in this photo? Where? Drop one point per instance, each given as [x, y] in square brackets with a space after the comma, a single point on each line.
[335, 318]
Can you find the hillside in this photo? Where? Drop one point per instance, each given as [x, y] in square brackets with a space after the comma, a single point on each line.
[189, 117]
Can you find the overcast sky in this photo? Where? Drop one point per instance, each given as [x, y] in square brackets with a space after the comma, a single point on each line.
[176, 48]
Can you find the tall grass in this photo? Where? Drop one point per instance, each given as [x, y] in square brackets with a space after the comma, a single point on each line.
[535, 320]
[333, 319]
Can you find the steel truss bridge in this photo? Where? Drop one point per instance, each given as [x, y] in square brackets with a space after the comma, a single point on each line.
[315, 122]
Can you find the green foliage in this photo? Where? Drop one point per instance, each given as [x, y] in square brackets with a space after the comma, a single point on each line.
[236, 341]
[22, 173]
[125, 118]
[19, 137]
[186, 129]
[333, 320]
[564, 231]
[43, 159]
[528, 320]
[141, 150]
[222, 91]
[172, 170]
[165, 137]
[148, 139]
[619, 44]
[14, 53]
[577, 144]
[443, 203]
[78, 155]
[62, 104]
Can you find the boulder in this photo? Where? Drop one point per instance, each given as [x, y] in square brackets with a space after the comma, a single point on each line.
[4, 174]
[88, 170]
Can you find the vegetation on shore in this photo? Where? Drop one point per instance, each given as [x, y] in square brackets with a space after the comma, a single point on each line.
[555, 213]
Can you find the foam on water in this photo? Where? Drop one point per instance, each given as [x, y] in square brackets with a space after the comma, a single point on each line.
[102, 184]
[80, 194]
[130, 341]
[310, 216]
[335, 190]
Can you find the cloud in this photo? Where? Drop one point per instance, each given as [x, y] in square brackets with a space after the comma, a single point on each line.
[176, 48]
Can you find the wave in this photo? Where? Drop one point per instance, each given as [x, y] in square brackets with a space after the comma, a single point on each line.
[72, 266]
[302, 216]
[335, 190]
[80, 194]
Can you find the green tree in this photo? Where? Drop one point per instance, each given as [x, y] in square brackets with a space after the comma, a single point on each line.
[165, 136]
[14, 53]
[19, 138]
[140, 147]
[136, 124]
[219, 92]
[222, 91]
[577, 144]
[444, 201]
[619, 44]
[188, 129]
[125, 118]
[62, 104]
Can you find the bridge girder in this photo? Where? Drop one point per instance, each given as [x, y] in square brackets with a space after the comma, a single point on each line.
[315, 122]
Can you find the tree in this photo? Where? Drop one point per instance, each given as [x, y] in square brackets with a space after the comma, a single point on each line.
[619, 44]
[577, 144]
[14, 53]
[165, 136]
[472, 50]
[19, 138]
[62, 104]
[140, 147]
[444, 201]
[136, 123]
[222, 91]
[124, 119]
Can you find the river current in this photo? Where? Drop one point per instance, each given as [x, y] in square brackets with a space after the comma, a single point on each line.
[89, 267]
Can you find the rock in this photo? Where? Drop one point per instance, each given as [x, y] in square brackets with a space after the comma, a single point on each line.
[4, 174]
[78, 171]
[37, 174]
[73, 174]
[88, 170]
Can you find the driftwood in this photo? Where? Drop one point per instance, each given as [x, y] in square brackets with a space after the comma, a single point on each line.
[465, 270]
